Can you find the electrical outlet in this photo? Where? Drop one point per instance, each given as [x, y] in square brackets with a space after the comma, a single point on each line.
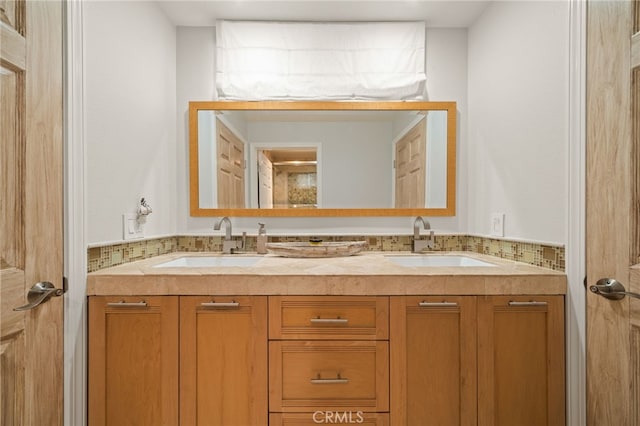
[497, 224]
[131, 228]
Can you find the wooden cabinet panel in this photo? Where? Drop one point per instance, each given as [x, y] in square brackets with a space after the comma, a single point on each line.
[328, 375]
[433, 360]
[521, 361]
[133, 361]
[329, 417]
[223, 365]
[328, 317]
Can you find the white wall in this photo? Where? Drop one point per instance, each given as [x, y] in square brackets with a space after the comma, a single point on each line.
[195, 70]
[511, 157]
[130, 104]
[355, 168]
[446, 80]
[518, 119]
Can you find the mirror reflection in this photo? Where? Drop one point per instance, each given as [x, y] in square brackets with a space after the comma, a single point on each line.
[287, 178]
[268, 160]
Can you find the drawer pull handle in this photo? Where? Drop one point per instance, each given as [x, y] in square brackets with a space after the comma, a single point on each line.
[329, 320]
[432, 304]
[529, 303]
[123, 304]
[214, 304]
[335, 381]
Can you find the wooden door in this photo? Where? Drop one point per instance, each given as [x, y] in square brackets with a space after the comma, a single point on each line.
[230, 168]
[31, 244]
[223, 361]
[521, 361]
[133, 361]
[411, 151]
[265, 181]
[612, 209]
[433, 360]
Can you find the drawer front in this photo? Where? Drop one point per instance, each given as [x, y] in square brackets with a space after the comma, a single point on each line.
[328, 317]
[306, 376]
[329, 417]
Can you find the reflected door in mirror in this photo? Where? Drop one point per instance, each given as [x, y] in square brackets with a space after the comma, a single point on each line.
[230, 169]
[265, 181]
[410, 167]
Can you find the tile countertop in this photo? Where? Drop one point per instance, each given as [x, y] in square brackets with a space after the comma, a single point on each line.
[369, 273]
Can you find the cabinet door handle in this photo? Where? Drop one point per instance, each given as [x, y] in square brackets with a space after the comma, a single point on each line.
[337, 380]
[123, 304]
[329, 320]
[435, 304]
[529, 303]
[232, 304]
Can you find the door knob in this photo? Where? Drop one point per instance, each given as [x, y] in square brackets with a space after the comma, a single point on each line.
[38, 294]
[612, 289]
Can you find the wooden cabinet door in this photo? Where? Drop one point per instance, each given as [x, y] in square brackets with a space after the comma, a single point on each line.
[223, 361]
[433, 360]
[521, 361]
[133, 360]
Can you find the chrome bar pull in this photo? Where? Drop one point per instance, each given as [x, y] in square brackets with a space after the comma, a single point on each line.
[612, 289]
[214, 304]
[337, 320]
[38, 294]
[123, 304]
[529, 303]
[334, 381]
[424, 304]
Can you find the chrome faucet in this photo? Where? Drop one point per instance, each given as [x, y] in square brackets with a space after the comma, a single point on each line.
[420, 243]
[229, 245]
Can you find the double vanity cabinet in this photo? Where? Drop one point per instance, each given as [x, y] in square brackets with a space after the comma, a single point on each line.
[330, 351]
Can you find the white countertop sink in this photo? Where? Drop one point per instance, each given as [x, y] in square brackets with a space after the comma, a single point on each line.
[434, 260]
[210, 262]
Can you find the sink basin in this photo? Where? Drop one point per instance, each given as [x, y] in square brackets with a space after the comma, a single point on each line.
[317, 249]
[436, 260]
[209, 261]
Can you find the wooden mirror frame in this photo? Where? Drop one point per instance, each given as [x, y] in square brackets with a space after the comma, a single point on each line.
[194, 185]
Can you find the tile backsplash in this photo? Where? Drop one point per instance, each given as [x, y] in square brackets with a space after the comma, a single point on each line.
[546, 256]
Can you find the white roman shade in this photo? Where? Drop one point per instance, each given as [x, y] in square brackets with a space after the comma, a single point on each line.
[258, 60]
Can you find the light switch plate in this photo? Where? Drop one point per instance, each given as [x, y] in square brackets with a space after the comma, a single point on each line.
[497, 224]
[131, 229]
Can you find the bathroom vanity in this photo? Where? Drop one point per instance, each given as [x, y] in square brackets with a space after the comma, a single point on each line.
[363, 339]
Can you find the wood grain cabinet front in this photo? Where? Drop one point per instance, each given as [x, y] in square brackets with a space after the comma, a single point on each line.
[329, 357]
[169, 360]
[329, 317]
[303, 360]
[477, 360]
[521, 375]
[223, 361]
[133, 361]
[433, 360]
[306, 376]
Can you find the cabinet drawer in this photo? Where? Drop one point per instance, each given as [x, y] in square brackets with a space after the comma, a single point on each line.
[328, 317]
[306, 376]
[328, 417]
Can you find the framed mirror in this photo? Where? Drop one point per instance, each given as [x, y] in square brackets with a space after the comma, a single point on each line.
[329, 158]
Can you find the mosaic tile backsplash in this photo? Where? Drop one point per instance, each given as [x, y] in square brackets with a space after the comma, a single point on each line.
[546, 256]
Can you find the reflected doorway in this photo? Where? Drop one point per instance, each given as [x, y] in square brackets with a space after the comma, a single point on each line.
[288, 178]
